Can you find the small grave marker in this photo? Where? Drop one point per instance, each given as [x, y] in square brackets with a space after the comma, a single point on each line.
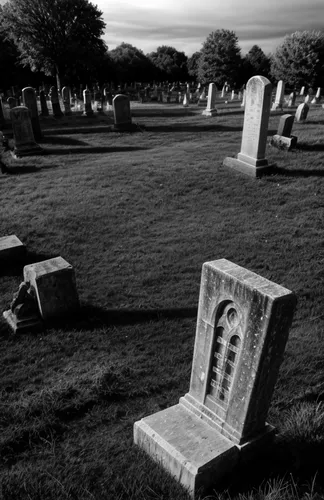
[29, 100]
[211, 110]
[122, 113]
[11, 249]
[283, 138]
[88, 111]
[302, 112]
[25, 144]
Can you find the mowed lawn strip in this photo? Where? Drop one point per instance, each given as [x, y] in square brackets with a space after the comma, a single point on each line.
[137, 215]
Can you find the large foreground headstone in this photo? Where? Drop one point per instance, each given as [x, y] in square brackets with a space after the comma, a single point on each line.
[54, 284]
[251, 160]
[211, 99]
[25, 144]
[242, 328]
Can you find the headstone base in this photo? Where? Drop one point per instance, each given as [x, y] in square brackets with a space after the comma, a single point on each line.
[31, 149]
[194, 453]
[281, 142]
[31, 324]
[209, 112]
[276, 107]
[246, 168]
[12, 249]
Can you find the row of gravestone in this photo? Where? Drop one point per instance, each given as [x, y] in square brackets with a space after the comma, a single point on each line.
[243, 324]
[26, 124]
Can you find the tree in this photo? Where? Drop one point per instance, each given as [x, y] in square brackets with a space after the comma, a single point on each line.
[131, 64]
[299, 60]
[220, 58]
[256, 63]
[58, 37]
[171, 63]
[192, 64]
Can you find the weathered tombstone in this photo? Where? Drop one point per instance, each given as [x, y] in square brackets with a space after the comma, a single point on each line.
[232, 95]
[57, 112]
[317, 97]
[223, 90]
[242, 328]
[302, 91]
[29, 100]
[66, 96]
[307, 98]
[292, 99]
[88, 111]
[122, 113]
[301, 112]
[43, 103]
[211, 110]
[251, 159]
[53, 282]
[25, 144]
[280, 93]
[185, 101]
[283, 138]
[11, 249]
[243, 99]
[12, 102]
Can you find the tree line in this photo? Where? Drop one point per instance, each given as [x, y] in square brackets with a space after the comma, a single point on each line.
[42, 39]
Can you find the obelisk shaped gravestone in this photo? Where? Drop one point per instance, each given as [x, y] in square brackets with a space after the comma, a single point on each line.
[242, 329]
[251, 160]
[211, 99]
[29, 100]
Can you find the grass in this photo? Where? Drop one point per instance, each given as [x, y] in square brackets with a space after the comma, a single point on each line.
[137, 215]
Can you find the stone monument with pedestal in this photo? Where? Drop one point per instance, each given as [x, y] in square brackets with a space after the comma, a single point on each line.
[283, 138]
[251, 159]
[242, 328]
[25, 144]
[211, 99]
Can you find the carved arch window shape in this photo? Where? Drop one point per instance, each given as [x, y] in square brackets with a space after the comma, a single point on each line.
[225, 352]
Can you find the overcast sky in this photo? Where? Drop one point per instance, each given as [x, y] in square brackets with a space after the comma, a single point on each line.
[185, 24]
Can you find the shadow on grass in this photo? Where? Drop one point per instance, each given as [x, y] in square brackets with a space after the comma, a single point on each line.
[15, 268]
[77, 130]
[93, 150]
[90, 317]
[26, 169]
[297, 172]
[192, 128]
[65, 141]
[310, 147]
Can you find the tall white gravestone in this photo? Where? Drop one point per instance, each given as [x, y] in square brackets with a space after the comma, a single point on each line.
[242, 329]
[211, 99]
[251, 160]
[280, 94]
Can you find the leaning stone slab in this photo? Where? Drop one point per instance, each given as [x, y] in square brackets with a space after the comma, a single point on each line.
[251, 160]
[242, 329]
[11, 249]
[54, 283]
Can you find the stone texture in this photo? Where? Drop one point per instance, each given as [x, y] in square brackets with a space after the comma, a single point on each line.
[281, 142]
[11, 249]
[251, 159]
[30, 101]
[25, 144]
[122, 113]
[302, 112]
[54, 283]
[242, 328]
[211, 99]
[285, 125]
[279, 99]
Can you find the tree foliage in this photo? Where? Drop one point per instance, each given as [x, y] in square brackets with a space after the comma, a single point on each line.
[55, 36]
[171, 63]
[299, 60]
[220, 58]
[193, 64]
[131, 64]
[256, 63]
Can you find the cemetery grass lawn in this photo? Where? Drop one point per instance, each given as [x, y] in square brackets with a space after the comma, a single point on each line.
[137, 215]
